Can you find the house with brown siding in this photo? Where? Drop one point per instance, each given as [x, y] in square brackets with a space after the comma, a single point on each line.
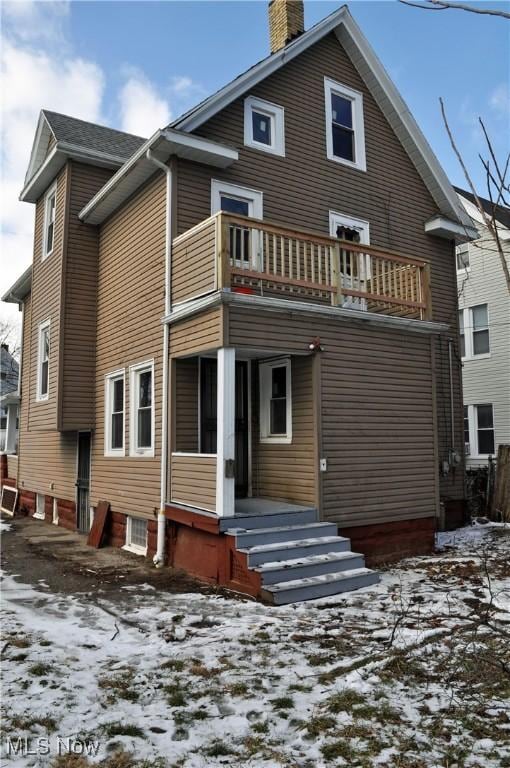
[242, 333]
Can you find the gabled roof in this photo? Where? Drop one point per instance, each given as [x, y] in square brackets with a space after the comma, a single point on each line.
[378, 82]
[72, 138]
[502, 213]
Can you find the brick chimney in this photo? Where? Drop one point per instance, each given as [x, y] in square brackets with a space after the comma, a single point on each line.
[286, 21]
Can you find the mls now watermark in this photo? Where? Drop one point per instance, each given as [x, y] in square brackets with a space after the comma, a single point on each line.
[38, 747]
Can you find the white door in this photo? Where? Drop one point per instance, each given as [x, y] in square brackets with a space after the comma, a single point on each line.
[354, 271]
[245, 245]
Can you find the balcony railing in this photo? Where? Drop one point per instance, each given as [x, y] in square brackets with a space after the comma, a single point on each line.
[258, 257]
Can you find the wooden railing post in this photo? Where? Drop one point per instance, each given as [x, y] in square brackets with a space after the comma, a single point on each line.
[336, 276]
[223, 255]
[426, 296]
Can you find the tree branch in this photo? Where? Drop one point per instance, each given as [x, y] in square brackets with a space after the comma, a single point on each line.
[439, 5]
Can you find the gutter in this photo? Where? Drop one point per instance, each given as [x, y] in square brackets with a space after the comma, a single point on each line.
[159, 557]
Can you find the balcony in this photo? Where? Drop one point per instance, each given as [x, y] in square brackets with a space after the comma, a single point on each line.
[252, 256]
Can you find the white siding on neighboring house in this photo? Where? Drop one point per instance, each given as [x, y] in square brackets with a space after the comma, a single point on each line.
[486, 375]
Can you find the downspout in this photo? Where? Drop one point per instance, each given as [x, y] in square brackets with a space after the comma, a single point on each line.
[159, 557]
[452, 409]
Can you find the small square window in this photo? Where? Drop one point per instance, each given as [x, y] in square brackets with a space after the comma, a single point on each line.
[136, 535]
[264, 126]
[345, 131]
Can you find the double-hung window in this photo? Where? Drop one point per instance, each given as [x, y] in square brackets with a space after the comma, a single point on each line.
[462, 256]
[275, 401]
[50, 205]
[136, 535]
[114, 414]
[141, 396]
[43, 361]
[484, 430]
[345, 130]
[264, 126]
[479, 430]
[474, 331]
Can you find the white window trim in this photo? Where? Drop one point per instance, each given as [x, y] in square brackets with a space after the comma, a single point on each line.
[46, 324]
[134, 370]
[474, 452]
[134, 548]
[108, 403]
[462, 270]
[48, 196]
[277, 117]
[265, 369]
[358, 123]
[254, 197]
[468, 333]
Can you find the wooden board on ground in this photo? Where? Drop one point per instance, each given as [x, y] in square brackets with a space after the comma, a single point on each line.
[501, 502]
[100, 517]
[9, 499]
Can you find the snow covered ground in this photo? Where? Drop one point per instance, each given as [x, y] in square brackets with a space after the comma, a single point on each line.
[413, 673]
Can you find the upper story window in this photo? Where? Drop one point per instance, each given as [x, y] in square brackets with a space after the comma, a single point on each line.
[141, 427]
[474, 331]
[50, 205]
[275, 402]
[43, 361]
[462, 255]
[114, 414]
[345, 130]
[264, 126]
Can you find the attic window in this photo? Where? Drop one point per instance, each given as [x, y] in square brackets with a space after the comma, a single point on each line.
[345, 130]
[50, 205]
[264, 126]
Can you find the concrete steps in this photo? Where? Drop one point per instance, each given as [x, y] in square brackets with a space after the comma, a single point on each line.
[297, 557]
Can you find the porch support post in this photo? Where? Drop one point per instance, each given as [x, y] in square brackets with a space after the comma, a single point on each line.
[10, 433]
[225, 452]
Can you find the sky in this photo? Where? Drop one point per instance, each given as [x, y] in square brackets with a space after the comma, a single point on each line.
[137, 65]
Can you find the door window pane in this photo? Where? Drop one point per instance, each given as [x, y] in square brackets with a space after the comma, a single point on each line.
[261, 126]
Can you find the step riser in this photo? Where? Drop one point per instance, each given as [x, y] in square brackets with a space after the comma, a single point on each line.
[315, 591]
[307, 571]
[259, 558]
[255, 539]
[301, 517]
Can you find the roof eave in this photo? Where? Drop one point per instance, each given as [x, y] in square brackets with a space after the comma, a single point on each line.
[138, 169]
[20, 289]
[56, 159]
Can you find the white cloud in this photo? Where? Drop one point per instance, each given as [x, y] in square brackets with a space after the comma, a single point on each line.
[142, 110]
[499, 100]
[40, 70]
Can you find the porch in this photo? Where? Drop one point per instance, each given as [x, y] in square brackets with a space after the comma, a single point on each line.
[243, 440]
[246, 255]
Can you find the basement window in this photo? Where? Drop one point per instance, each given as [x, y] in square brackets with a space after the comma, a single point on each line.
[264, 126]
[136, 535]
[141, 380]
[275, 401]
[43, 361]
[345, 130]
[50, 205]
[114, 414]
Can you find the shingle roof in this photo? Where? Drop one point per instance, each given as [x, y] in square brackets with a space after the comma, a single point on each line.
[92, 136]
[502, 212]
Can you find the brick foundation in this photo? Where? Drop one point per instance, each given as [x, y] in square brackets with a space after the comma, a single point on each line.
[66, 514]
[3, 469]
[26, 502]
[389, 542]
[455, 513]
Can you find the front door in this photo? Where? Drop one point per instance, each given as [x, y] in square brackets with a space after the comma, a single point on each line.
[354, 268]
[83, 483]
[208, 418]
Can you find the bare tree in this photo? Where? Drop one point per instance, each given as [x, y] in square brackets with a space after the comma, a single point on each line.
[439, 5]
[9, 335]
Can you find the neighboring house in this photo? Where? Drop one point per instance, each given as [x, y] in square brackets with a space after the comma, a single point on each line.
[484, 320]
[9, 374]
[245, 322]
